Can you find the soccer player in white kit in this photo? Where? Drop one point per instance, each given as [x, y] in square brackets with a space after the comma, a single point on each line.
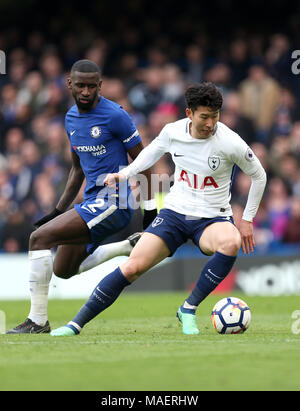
[197, 207]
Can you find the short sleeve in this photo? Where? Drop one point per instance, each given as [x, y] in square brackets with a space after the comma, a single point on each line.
[68, 132]
[123, 128]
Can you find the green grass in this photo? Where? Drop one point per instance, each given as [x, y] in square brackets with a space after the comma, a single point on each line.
[137, 344]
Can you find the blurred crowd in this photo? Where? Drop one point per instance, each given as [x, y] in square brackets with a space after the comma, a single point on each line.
[261, 103]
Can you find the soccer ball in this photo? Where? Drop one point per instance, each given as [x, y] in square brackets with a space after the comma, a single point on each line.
[231, 315]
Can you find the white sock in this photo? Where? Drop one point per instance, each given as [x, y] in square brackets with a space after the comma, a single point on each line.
[104, 253]
[191, 307]
[40, 272]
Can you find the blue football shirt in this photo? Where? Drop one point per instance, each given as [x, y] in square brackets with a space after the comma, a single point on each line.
[100, 138]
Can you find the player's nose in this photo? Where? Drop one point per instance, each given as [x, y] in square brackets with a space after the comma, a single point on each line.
[209, 123]
[85, 91]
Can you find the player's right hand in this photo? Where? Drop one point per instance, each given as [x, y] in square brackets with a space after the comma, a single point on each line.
[47, 218]
[112, 179]
[247, 236]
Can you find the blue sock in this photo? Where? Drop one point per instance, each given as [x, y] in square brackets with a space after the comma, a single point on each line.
[106, 292]
[214, 271]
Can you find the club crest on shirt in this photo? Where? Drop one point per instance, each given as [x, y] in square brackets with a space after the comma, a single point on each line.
[95, 132]
[213, 162]
[157, 221]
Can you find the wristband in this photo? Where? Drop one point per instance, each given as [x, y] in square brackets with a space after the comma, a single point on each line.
[150, 204]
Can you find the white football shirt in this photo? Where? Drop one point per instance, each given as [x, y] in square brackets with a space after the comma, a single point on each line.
[203, 170]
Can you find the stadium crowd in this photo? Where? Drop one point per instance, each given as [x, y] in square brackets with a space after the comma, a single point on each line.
[261, 103]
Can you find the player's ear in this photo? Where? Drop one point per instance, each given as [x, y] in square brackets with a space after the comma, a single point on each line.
[69, 83]
[188, 113]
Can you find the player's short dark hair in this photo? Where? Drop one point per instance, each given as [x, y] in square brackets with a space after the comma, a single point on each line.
[203, 94]
[85, 66]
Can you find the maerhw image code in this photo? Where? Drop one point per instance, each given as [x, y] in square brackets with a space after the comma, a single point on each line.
[150, 400]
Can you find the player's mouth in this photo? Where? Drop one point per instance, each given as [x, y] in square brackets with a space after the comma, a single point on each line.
[84, 101]
[207, 132]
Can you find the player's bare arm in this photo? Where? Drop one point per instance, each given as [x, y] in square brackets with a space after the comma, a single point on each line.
[73, 185]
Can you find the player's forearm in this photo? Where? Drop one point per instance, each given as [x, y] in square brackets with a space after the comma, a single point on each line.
[144, 161]
[72, 188]
[258, 184]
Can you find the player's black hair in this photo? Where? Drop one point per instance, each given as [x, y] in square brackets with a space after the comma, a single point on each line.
[203, 94]
[85, 66]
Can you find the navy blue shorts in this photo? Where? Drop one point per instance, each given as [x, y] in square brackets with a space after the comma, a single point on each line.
[103, 219]
[175, 228]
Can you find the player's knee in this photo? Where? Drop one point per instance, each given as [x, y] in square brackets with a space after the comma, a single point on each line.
[34, 240]
[133, 268]
[41, 239]
[231, 245]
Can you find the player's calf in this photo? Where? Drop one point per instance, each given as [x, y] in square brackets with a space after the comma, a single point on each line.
[106, 292]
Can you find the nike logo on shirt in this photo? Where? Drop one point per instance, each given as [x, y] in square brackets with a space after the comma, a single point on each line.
[178, 155]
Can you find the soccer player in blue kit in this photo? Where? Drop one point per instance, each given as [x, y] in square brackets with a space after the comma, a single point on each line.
[101, 133]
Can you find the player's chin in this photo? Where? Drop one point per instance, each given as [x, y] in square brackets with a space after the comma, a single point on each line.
[84, 104]
[207, 133]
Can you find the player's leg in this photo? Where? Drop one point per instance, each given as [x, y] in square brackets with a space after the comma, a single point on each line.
[103, 222]
[70, 259]
[149, 251]
[68, 228]
[108, 251]
[74, 259]
[71, 230]
[221, 240]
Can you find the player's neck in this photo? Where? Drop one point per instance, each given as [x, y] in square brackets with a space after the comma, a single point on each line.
[83, 111]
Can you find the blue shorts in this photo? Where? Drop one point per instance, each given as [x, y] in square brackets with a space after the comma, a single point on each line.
[103, 219]
[175, 228]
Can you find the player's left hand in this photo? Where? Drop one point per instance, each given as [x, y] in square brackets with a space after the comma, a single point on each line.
[247, 235]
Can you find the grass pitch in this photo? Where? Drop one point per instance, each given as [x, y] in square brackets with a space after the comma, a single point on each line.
[137, 345]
